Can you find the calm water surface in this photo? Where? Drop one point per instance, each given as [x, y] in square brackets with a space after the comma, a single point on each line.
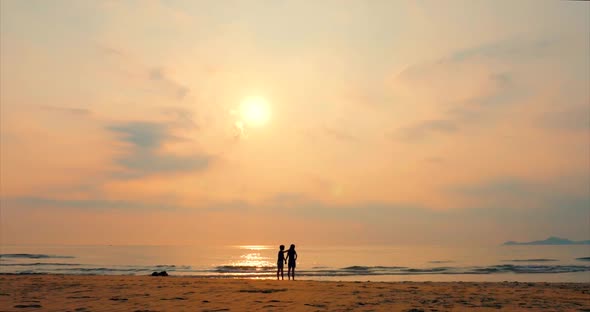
[374, 263]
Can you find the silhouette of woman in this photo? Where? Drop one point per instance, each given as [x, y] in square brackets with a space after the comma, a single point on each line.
[291, 258]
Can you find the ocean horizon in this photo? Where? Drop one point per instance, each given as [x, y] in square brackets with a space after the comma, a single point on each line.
[346, 263]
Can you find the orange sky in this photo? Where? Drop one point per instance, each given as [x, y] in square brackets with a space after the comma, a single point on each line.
[389, 122]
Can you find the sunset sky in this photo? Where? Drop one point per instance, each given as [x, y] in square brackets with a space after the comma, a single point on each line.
[374, 122]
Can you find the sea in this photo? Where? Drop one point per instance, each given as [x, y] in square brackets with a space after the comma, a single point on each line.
[570, 263]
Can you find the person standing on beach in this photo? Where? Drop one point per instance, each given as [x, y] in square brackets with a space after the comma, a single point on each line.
[291, 258]
[281, 261]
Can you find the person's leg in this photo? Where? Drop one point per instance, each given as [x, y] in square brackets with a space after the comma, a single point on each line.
[278, 270]
[289, 273]
[293, 273]
[282, 274]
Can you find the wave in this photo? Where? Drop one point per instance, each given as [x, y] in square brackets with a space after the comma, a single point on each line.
[367, 268]
[172, 267]
[531, 260]
[40, 264]
[34, 256]
[583, 259]
[440, 261]
[536, 268]
[269, 271]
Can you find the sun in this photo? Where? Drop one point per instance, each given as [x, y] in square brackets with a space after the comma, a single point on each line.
[254, 111]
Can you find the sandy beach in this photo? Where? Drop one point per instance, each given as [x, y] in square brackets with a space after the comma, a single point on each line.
[145, 293]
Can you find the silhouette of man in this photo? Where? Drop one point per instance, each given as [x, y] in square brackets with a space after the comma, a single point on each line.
[281, 261]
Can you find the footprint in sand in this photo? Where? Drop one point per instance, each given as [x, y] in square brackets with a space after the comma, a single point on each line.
[264, 291]
[24, 306]
[118, 299]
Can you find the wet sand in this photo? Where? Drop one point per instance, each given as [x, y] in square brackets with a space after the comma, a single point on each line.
[145, 293]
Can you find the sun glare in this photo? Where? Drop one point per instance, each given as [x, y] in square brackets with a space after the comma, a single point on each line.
[254, 111]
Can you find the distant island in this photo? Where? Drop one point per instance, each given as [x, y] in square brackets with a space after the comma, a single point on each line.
[550, 241]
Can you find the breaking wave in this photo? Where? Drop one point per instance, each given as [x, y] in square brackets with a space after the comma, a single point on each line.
[34, 256]
[38, 267]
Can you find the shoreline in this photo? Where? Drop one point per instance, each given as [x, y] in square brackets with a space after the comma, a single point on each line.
[343, 279]
[555, 278]
[52, 292]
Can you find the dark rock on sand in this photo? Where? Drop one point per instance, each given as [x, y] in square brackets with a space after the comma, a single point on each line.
[163, 273]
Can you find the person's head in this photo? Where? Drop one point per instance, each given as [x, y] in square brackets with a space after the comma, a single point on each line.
[292, 247]
[282, 247]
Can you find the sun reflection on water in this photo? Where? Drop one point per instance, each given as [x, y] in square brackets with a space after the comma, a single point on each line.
[254, 247]
[252, 258]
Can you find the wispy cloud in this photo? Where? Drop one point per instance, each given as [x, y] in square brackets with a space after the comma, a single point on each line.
[435, 160]
[574, 119]
[513, 50]
[500, 187]
[339, 134]
[496, 91]
[69, 110]
[154, 78]
[85, 204]
[143, 155]
[466, 112]
[518, 192]
[183, 118]
[424, 129]
[158, 75]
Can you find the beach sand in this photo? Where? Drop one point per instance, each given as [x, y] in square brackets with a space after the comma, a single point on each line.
[146, 293]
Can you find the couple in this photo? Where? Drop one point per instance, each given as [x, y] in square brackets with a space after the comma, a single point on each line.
[291, 257]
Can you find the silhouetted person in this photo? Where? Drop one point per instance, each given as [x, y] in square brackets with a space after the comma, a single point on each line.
[291, 258]
[281, 261]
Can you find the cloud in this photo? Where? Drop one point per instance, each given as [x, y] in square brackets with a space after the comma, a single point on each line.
[561, 214]
[500, 187]
[435, 160]
[85, 204]
[110, 50]
[158, 75]
[502, 91]
[69, 110]
[339, 134]
[155, 77]
[426, 128]
[183, 117]
[144, 155]
[573, 119]
[142, 134]
[518, 192]
[514, 49]
[504, 51]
